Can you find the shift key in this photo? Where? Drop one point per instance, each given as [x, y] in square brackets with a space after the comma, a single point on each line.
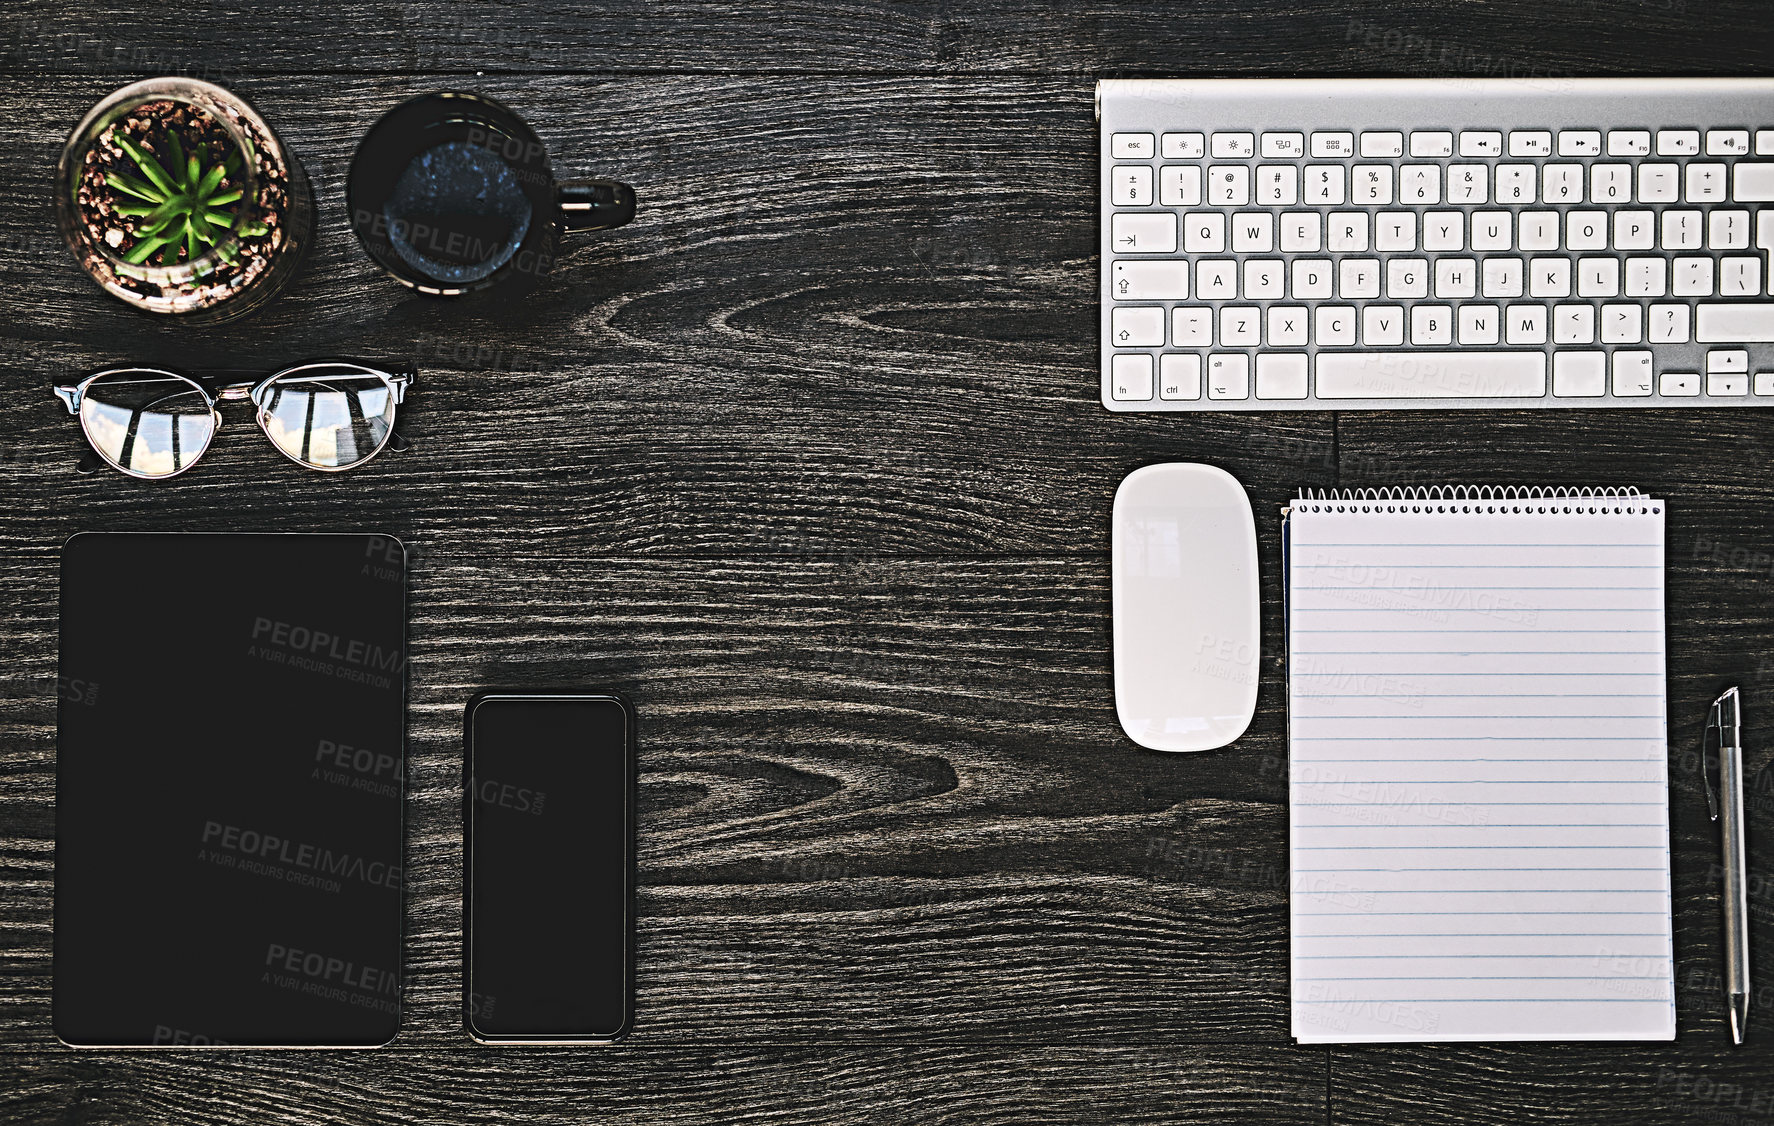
[1734, 324]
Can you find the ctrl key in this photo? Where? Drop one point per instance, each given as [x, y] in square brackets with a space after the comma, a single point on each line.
[1130, 378]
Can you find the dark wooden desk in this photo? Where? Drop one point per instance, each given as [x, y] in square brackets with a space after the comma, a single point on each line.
[809, 461]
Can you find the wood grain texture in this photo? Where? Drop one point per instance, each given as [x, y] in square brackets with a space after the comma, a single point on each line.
[808, 461]
[632, 1084]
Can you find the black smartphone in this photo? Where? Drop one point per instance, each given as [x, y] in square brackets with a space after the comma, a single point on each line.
[548, 887]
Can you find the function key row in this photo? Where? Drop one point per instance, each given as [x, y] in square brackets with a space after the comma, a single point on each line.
[1442, 143]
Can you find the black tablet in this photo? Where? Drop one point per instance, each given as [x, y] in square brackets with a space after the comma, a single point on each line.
[229, 777]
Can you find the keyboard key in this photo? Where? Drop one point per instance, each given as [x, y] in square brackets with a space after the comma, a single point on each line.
[1637, 230]
[1312, 279]
[1131, 185]
[1561, 183]
[1184, 146]
[1623, 324]
[1579, 374]
[1764, 147]
[1216, 279]
[1431, 375]
[1331, 145]
[1204, 232]
[1278, 185]
[1395, 231]
[1346, 231]
[1705, 183]
[1147, 280]
[1740, 277]
[1537, 230]
[1516, 183]
[1481, 144]
[1610, 183]
[1586, 230]
[1228, 376]
[1524, 325]
[1764, 384]
[1407, 278]
[1432, 325]
[1288, 326]
[1179, 376]
[1727, 142]
[1681, 230]
[1191, 326]
[1629, 142]
[1179, 185]
[1130, 378]
[1657, 183]
[1281, 375]
[1382, 325]
[1530, 143]
[1371, 184]
[1493, 230]
[1358, 278]
[1419, 184]
[1325, 183]
[1432, 144]
[1234, 146]
[1137, 233]
[1479, 324]
[1632, 373]
[1228, 185]
[1727, 230]
[1550, 277]
[1734, 324]
[1573, 324]
[1727, 385]
[1382, 144]
[1669, 324]
[1693, 277]
[1727, 360]
[1680, 383]
[1678, 142]
[1598, 277]
[1334, 326]
[1456, 277]
[1468, 183]
[1241, 326]
[1579, 142]
[1141, 327]
[1752, 183]
[1283, 146]
[1131, 146]
[1302, 232]
[1264, 279]
[1253, 232]
[1502, 277]
[1646, 277]
[1444, 230]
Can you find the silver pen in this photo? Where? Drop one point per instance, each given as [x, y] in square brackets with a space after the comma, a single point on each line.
[1726, 720]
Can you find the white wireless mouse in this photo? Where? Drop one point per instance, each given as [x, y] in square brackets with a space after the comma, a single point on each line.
[1186, 607]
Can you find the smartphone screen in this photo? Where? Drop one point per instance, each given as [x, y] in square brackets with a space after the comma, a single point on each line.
[548, 874]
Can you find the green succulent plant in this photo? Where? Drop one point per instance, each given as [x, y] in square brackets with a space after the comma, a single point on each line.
[184, 206]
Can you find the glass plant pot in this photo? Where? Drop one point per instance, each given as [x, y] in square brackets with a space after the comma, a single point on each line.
[176, 197]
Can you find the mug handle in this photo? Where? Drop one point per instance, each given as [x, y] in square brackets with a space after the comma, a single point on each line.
[594, 205]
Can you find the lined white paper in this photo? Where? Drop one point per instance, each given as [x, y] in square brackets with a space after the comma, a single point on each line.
[1478, 771]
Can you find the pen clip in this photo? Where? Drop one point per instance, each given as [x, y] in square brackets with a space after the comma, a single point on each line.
[1714, 723]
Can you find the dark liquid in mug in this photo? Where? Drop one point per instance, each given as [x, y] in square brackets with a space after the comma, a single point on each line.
[457, 213]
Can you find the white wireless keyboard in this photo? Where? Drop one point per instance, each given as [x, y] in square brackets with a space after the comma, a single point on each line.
[1279, 244]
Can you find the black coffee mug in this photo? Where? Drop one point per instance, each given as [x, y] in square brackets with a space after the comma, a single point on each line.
[452, 192]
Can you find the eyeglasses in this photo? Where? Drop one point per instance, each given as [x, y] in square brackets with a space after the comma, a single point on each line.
[154, 423]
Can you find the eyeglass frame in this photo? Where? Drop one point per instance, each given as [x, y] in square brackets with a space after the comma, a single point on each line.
[230, 387]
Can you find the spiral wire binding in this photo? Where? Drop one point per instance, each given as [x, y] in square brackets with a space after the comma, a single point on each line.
[1561, 500]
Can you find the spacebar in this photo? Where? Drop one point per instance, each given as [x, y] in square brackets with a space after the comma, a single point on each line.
[1409, 374]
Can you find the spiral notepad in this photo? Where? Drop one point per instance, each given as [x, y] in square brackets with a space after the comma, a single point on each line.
[1478, 766]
